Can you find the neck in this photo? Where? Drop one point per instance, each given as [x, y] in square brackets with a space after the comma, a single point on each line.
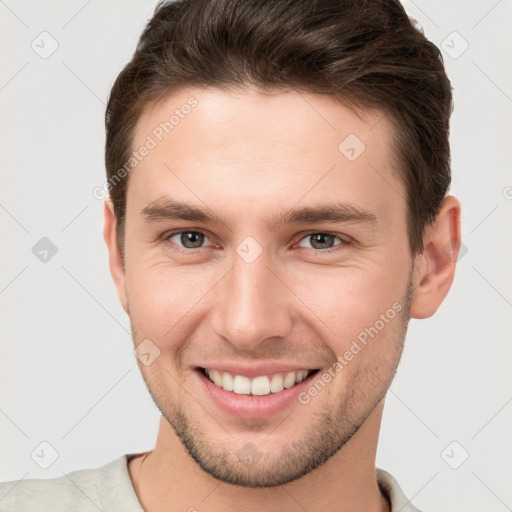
[346, 482]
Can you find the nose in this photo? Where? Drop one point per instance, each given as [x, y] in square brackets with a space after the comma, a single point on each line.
[252, 304]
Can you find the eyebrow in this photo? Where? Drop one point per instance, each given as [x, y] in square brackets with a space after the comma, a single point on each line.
[338, 212]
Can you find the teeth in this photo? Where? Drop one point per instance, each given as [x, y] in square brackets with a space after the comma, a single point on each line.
[276, 384]
[227, 381]
[241, 385]
[289, 380]
[303, 375]
[260, 386]
[217, 377]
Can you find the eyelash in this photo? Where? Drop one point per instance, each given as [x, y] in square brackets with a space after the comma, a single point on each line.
[343, 241]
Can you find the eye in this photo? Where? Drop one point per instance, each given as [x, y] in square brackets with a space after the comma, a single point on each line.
[187, 239]
[321, 241]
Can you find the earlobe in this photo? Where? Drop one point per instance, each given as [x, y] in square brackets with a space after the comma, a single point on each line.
[435, 267]
[115, 260]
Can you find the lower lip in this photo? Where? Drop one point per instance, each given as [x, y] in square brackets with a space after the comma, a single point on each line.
[253, 406]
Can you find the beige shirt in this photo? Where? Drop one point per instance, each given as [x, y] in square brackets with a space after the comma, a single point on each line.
[109, 489]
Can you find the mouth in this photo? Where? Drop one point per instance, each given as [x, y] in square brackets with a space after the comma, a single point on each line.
[258, 390]
[260, 385]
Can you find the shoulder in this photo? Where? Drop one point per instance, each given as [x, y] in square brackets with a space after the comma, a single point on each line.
[389, 486]
[75, 491]
[85, 490]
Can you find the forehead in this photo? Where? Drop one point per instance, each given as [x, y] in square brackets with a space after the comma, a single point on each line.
[252, 116]
[269, 150]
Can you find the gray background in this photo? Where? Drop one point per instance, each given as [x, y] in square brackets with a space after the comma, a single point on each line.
[68, 376]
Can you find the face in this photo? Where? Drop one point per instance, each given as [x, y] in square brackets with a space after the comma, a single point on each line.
[266, 235]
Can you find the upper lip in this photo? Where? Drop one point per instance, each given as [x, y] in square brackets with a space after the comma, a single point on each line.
[252, 370]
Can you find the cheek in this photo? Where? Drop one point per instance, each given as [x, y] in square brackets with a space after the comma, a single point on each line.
[361, 302]
[168, 302]
[163, 300]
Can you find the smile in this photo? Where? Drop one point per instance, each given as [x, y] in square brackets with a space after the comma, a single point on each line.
[260, 385]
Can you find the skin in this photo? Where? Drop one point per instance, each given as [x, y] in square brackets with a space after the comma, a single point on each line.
[248, 157]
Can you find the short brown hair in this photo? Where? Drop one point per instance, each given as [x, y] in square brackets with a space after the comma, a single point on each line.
[366, 53]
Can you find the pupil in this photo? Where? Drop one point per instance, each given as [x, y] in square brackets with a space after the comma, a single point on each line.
[323, 239]
[191, 239]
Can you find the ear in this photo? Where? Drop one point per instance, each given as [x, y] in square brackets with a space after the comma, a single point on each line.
[115, 261]
[435, 266]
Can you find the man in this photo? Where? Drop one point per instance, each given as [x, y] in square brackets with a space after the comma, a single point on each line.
[277, 212]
